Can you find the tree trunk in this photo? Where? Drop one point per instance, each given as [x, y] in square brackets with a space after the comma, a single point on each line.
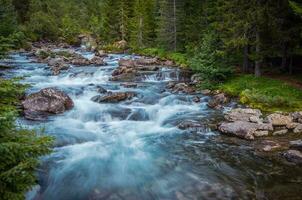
[291, 65]
[140, 32]
[284, 57]
[245, 59]
[258, 59]
[174, 25]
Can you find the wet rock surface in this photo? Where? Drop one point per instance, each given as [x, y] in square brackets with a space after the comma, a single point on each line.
[48, 100]
[218, 101]
[113, 97]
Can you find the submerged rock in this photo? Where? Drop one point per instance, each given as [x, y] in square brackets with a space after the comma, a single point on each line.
[293, 156]
[268, 146]
[192, 126]
[129, 85]
[113, 97]
[297, 144]
[101, 90]
[48, 100]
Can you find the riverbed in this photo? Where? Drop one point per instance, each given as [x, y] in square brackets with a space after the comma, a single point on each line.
[135, 150]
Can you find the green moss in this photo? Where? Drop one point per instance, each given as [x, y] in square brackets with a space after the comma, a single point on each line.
[264, 93]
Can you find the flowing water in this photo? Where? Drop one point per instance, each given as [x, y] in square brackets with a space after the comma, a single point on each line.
[134, 150]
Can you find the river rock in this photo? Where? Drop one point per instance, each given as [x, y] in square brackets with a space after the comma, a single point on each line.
[298, 129]
[297, 144]
[261, 133]
[101, 53]
[182, 88]
[292, 126]
[101, 90]
[126, 63]
[217, 101]
[96, 60]
[241, 129]
[196, 99]
[293, 156]
[146, 61]
[280, 132]
[129, 85]
[127, 77]
[122, 44]
[192, 126]
[48, 100]
[240, 114]
[167, 63]
[245, 130]
[123, 70]
[196, 79]
[279, 120]
[268, 146]
[113, 97]
[297, 116]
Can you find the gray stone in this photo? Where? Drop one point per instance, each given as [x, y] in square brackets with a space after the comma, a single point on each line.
[279, 120]
[261, 133]
[280, 132]
[297, 144]
[240, 114]
[298, 129]
[293, 156]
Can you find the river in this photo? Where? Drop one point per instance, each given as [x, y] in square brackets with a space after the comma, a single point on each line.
[134, 150]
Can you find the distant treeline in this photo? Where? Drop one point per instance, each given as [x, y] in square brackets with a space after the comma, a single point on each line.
[253, 34]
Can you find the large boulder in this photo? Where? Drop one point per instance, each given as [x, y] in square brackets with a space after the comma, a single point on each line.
[217, 101]
[243, 129]
[240, 114]
[46, 101]
[279, 119]
[113, 97]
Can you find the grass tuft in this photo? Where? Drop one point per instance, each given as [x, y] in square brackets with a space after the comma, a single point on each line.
[264, 93]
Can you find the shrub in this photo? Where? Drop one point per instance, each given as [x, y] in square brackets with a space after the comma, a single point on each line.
[210, 62]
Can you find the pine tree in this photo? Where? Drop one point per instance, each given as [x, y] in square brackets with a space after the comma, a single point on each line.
[143, 23]
[20, 149]
[8, 20]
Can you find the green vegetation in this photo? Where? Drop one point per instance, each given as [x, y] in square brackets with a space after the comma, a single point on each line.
[264, 93]
[19, 148]
[179, 58]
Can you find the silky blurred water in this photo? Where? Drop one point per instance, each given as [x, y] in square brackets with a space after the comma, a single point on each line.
[134, 150]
